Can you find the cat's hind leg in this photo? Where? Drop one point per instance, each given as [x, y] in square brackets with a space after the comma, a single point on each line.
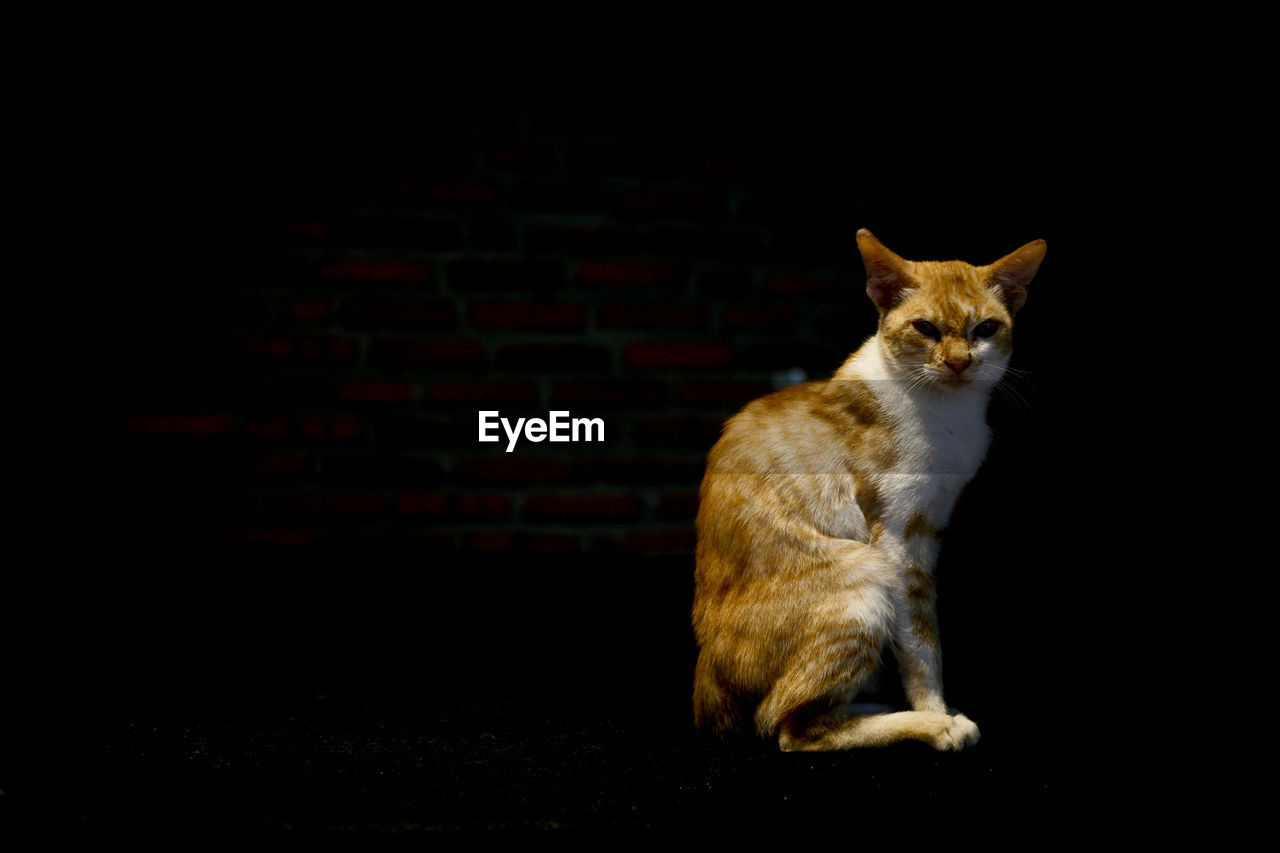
[832, 658]
[830, 661]
[834, 732]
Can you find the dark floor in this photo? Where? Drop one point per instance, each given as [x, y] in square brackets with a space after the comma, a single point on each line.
[241, 707]
[361, 764]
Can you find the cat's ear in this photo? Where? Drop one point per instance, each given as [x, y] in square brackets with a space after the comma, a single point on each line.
[1012, 273]
[886, 272]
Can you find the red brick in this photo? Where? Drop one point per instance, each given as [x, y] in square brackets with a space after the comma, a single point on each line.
[275, 426]
[811, 356]
[556, 196]
[489, 541]
[277, 465]
[442, 194]
[416, 432]
[732, 282]
[582, 507]
[676, 354]
[306, 229]
[330, 427]
[510, 468]
[677, 204]
[236, 310]
[310, 192]
[677, 430]
[302, 390]
[494, 234]
[355, 503]
[506, 275]
[727, 393]
[811, 207]
[554, 356]
[374, 468]
[279, 536]
[324, 502]
[448, 505]
[378, 391]
[658, 541]
[552, 542]
[184, 425]
[759, 317]
[805, 285]
[204, 425]
[645, 468]
[713, 166]
[307, 310]
[393, 352]
[272, 349]
[266, 536]
[709, 243]
[616, 392]
[523, 157]
[648, 315]
[622, 274]
[405, 233]
[377, 271]
[330, 350]
[615, 159]
[398, 313]
[280, 270]
[430, 504]
[480, 506]
[374, 540]
[491, 391]
[595, 240]
[528, 315]
[678, 504]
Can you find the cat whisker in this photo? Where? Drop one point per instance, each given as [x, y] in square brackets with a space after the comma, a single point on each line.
[920, 376]
[1018, 374]
[1014, 397]
[915, 376]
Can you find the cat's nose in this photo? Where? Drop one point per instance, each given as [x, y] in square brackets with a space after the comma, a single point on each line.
[958, 365]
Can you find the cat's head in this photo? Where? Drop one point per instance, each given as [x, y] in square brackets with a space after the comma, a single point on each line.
[948, 324]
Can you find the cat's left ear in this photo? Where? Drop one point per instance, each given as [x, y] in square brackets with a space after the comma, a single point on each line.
[1012, 273]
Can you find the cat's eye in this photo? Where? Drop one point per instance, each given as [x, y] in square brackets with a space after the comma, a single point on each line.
[927, 329]
[986, 328]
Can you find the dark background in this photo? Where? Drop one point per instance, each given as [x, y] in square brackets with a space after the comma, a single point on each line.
[316, 602]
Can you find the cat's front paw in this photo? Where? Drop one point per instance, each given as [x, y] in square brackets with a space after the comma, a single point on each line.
[961, 733]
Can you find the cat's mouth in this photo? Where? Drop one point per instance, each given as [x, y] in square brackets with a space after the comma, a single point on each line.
[944, 377]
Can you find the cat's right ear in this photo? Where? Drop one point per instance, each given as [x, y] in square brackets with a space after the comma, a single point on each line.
[886, 272]
[1012, 273]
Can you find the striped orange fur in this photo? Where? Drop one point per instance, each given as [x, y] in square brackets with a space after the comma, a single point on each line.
[821, 506]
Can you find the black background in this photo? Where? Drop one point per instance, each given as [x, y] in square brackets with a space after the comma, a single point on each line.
[383, 688]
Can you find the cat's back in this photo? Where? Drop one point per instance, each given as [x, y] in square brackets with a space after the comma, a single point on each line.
[781, 537]
[779, 433]
[785, 466]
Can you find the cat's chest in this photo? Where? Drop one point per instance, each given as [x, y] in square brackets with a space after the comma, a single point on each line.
[936, 457]
[942, 445]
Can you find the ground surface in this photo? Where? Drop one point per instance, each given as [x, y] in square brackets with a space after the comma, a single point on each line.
[234, 706]
[382, 765]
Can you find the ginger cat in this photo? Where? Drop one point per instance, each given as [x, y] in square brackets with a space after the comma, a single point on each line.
[821, 507]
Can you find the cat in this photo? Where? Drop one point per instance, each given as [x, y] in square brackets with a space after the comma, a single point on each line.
[821, 506]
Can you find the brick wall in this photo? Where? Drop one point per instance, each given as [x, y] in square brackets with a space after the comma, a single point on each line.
[345, 292]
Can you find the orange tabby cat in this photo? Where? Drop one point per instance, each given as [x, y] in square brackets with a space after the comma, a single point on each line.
[820, 512]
